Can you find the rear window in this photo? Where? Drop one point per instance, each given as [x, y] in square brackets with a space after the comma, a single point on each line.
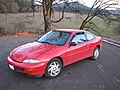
[89, 36]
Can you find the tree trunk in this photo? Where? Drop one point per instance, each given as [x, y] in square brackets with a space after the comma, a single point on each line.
[47, 26]
[47, 7]
[83, 25]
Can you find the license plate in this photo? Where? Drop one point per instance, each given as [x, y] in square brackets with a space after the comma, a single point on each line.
[12, 67]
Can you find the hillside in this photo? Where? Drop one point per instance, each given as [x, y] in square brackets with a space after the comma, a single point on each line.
[73, 7]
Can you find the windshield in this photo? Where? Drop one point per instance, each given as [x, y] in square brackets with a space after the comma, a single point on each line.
[55, 37]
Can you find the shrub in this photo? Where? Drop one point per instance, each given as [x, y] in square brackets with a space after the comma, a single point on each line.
[2, 31]
[117, 29]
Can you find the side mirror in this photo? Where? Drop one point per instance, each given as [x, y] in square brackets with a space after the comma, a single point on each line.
[72, 44]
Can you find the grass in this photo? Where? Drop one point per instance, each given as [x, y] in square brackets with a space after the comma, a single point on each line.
[106, 29]
[103, 28]
[23, 22]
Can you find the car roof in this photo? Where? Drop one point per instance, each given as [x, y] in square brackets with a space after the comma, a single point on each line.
[71, 30]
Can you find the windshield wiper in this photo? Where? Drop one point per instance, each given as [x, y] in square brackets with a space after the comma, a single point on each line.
[49, 43]
[45, 42]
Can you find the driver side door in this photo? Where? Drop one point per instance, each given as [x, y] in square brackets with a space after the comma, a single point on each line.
[78, 51]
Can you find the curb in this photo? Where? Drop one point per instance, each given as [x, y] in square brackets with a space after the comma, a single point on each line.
[110, 41]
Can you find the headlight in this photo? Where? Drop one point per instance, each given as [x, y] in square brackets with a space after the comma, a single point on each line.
[31, 61]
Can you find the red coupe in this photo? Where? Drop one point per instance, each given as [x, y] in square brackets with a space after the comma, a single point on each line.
[54, 50]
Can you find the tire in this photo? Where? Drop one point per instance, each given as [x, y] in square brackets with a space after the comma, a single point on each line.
[53, 68]
[96, 54]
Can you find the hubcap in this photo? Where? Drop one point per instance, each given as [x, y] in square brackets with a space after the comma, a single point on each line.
[96, 53]
[54, 68]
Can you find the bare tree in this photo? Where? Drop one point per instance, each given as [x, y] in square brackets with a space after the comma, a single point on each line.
[47, 13]
[47, 9]
[99, 9]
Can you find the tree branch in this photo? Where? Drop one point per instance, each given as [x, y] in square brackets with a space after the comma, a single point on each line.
[65, 5]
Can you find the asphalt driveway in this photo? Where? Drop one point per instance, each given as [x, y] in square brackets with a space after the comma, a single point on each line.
[103, 74]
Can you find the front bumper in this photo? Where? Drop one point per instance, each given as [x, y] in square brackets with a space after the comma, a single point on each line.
[30, 69]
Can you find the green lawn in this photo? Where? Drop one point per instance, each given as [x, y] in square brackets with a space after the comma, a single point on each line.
[103, 28]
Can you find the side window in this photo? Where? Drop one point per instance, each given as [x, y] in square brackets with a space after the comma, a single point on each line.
[79, 38]
[89, 36]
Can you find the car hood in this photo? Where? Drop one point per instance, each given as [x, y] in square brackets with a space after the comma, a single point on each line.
[31, 50]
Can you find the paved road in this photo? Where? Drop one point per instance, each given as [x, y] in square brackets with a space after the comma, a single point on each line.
[103, 74]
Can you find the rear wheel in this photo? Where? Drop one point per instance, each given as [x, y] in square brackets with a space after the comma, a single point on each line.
[96, 54]
[53, 68]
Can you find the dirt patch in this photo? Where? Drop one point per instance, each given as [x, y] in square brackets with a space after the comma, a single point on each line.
[23, 34]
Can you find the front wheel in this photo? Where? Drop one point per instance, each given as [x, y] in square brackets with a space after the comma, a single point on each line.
[96, 54]
[53, 68]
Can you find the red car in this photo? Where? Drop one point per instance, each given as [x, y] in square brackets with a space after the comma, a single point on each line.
[54, 50]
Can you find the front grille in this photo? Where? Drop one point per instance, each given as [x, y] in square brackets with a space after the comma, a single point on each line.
[18, 69]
